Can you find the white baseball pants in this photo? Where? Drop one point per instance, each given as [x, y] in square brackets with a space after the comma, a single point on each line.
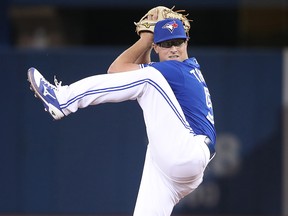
[175, 158]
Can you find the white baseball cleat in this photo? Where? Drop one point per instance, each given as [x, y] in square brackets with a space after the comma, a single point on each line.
[45, 91]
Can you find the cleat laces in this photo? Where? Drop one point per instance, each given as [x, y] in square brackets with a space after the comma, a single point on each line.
[56, 86]
[48, 85]
[57, 83]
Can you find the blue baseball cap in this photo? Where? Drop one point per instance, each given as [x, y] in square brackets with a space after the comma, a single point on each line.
[169, 29]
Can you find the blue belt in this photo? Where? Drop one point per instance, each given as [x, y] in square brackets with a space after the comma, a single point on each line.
[211, 148]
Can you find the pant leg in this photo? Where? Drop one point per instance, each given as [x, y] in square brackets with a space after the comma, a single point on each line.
[158, 193]
[154, 196]
[101, 88]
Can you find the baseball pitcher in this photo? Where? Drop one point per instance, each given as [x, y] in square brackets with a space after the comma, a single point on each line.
[175, 100]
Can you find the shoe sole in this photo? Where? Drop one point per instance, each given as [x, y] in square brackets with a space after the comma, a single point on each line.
[52, 110]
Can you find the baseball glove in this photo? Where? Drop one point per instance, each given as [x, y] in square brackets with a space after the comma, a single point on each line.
[162, 13]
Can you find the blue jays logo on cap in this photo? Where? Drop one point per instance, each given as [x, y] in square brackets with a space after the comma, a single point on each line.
[169, 29]
[170, 26]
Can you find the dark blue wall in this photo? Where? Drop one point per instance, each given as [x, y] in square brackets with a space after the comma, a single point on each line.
[91, 161]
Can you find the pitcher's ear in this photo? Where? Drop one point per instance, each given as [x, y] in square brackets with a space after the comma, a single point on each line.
[155, 47]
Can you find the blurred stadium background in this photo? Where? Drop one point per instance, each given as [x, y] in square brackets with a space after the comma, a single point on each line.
[90, 163]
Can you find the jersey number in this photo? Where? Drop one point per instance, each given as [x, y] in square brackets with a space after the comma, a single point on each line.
[197, 73]
[209, 116]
